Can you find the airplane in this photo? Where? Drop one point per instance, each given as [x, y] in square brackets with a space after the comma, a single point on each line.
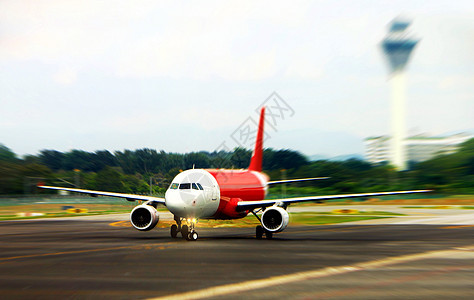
[221, 194]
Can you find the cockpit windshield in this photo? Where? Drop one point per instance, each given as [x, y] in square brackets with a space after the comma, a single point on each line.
[186, 186]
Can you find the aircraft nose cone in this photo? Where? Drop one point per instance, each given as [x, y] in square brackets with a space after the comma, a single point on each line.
[182, 204]
[191, 193]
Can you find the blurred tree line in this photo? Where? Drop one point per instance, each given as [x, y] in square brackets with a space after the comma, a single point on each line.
[146, 170]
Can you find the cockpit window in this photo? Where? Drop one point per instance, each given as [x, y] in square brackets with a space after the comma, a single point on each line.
[184, 186]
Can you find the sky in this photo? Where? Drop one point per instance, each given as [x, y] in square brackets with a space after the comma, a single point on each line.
[183, 76]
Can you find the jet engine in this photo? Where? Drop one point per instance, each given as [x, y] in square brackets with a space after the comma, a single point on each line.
[144, 217]
[275, 219]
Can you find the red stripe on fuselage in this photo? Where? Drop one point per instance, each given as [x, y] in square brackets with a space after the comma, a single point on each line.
[236, 186]
[244, 184]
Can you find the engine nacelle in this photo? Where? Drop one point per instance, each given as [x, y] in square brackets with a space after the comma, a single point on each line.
[275, 219]
[144, 217]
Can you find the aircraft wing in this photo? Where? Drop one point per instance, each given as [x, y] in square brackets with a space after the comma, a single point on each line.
[296, 180]
[129, 197]
[249, 205]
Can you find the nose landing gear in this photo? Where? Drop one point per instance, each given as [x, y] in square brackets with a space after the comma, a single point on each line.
[192, 236]
[187, 232]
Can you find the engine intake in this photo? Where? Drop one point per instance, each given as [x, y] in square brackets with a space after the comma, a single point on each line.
[144, 217]
[275, 219]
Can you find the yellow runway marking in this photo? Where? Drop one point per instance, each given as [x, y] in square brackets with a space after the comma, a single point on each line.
[160, 246]
[422, 214]
[318, 273]
[457, 226]
[337, 228]
[121, 224]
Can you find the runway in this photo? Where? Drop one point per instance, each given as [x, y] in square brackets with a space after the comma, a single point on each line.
[94, 258]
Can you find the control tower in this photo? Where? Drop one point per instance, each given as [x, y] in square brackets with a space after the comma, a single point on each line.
[397, 47]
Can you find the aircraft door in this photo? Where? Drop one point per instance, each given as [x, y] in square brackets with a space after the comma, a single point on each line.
[215, 192]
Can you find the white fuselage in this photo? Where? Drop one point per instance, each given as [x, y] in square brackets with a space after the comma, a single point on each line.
[193, 194]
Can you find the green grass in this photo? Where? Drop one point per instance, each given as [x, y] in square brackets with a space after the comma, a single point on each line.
[249, 221]
[53, 210]
[61, 215]
[311, 219]
[361, 213]
[295, 219]
[440, 207]
[431, 207]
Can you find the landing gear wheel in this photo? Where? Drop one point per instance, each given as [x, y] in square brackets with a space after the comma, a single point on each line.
[192, 236]
[174, 230]
[185, 231]
[268, 235]
[259, 232]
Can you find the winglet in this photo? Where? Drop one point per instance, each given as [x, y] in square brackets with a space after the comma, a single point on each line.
[257, 156]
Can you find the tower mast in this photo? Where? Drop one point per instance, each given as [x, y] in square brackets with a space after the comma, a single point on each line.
[397, 47]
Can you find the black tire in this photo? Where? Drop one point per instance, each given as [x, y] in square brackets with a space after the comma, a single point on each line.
[193, 236]
[268, 235]
[259, 232]
[174, 230]
[185, 231]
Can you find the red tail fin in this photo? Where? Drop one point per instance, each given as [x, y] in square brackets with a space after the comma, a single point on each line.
[256, 160]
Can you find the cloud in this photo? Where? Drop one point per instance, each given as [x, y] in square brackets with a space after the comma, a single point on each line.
[65, 76]
[188, 41]
[179, 56]
[54, 31]
[455, 82]
[126, 65]
[303, 65]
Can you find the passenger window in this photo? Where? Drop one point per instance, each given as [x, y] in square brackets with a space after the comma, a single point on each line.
[174, 186]
[195, 186]
[200, 186]
[184, 186]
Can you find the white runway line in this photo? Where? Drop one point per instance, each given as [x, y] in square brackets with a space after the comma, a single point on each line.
[318, 273]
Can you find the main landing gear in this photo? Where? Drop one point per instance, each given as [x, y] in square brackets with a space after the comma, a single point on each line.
[259, 230]
[187, 232]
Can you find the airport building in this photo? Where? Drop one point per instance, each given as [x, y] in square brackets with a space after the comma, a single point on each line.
[418, 148]
[377, 149]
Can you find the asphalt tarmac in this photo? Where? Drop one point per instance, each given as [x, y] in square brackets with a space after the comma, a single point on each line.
[91, 259]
